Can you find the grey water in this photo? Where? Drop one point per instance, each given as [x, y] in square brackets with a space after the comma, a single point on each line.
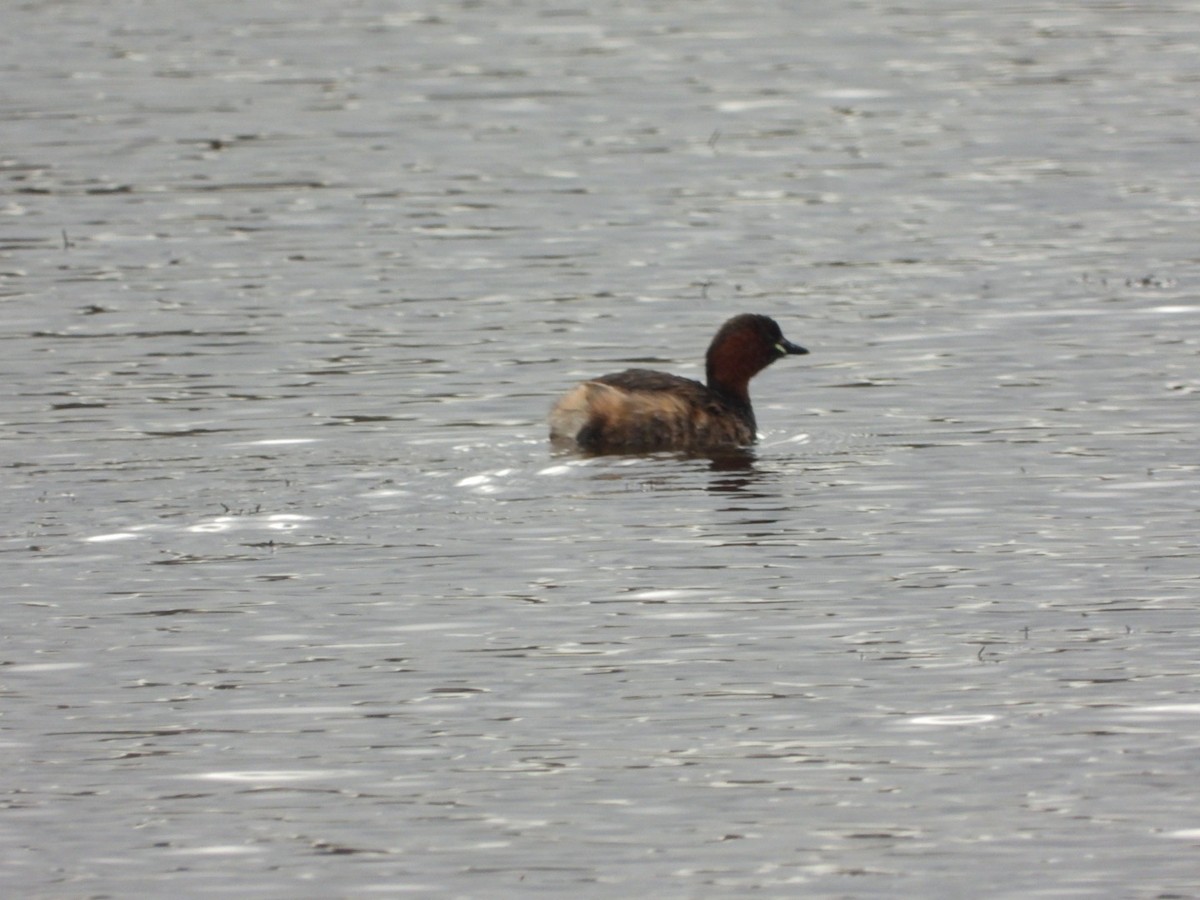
[298, 602]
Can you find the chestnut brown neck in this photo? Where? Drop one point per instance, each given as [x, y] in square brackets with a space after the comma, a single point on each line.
[733, 359]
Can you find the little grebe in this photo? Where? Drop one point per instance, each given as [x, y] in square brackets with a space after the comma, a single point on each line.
[643, 411]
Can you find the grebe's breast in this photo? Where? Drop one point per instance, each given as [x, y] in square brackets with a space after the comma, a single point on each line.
[643, 411]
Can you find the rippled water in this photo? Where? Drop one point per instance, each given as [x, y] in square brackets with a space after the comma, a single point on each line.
[300, 603]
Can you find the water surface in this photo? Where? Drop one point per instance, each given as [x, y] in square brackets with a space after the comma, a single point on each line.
[300, 603]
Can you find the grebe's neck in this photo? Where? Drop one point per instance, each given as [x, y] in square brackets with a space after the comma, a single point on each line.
[734, 357]
[735, 390]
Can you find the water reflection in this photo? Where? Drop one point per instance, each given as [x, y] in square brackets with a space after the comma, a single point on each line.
[739, 461]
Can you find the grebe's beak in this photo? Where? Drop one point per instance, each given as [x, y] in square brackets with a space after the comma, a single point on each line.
[787, 348]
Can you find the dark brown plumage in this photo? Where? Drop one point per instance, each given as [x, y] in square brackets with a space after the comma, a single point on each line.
[642, 411]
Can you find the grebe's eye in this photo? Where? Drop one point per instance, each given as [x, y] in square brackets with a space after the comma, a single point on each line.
[781, 349]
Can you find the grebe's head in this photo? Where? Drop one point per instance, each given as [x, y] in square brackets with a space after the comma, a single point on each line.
[743, 347]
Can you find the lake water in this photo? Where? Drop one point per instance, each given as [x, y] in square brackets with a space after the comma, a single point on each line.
[298, 602]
